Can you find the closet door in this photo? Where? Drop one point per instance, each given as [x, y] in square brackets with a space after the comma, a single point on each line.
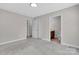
[35, 28]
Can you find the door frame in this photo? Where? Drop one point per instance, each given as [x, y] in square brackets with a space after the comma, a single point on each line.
[50, 17]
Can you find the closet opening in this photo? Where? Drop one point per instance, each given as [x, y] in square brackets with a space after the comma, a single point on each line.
[55, 29]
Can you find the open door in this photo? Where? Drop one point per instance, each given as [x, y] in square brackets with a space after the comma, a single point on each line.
[55, 29]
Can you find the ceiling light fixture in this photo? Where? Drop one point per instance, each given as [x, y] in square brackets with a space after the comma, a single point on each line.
[33, 4]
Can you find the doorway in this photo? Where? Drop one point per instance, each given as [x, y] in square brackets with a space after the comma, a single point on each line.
[55, 29]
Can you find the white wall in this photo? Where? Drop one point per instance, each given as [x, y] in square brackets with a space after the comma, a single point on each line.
[69, 25]
[55, 23]
[12, 26]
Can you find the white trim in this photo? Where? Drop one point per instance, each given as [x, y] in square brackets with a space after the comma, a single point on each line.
[74, 46]
[3, 43]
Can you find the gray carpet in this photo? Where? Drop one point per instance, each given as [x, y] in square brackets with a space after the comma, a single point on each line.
[36, 47]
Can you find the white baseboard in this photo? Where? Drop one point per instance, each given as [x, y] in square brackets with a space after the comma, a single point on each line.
[3, 43]
[66, 44]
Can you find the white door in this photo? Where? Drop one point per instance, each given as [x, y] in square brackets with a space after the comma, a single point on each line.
[35, 28]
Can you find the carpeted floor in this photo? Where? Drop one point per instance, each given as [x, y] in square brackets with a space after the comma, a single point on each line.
[36, 47]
